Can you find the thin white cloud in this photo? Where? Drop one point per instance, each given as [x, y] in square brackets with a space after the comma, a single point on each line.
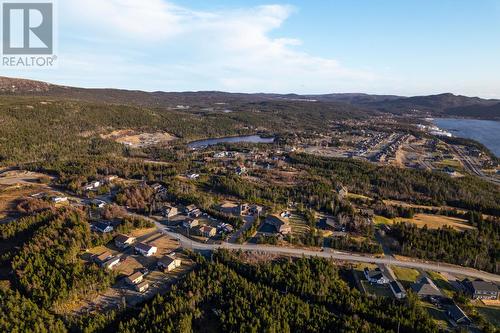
[225, 49]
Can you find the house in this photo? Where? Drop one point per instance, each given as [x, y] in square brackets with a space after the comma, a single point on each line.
[98, 203]
[196, 213]
[59, 199]
[92, 186]
[255, 210]
[397, 289]
[193, 176]
[207, 231]
[157, 187]
[112, 262]
[190, 223]
[142, 287]
[226, 228]
[169, 211]
[341, 191]
[279, 224]
[169, 263]
[189, 209]
[124, 241]
[480, 289]
[102, 258]
[241, 170]
[134, 278]
[376, 276]
[103, 227]
[458, 315]
[145, 249]
[424, 287]
[286, 214]
[230, 208]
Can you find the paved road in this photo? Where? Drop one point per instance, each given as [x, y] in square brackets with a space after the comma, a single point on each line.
[471, 166]
[190, 244]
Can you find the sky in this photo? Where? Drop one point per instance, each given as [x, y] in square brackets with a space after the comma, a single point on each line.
[402, 47]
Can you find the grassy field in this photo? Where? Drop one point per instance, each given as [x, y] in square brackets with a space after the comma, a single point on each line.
[438, 221]
[299, 225]
[450, 163]
[442, 283]
[491, 313]
[406, 276]
[382, 220]
[438, 315]
[357, 196]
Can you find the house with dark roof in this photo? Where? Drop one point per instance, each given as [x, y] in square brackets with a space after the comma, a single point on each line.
[206, 231]
[145, 249]
[102, 258]
[190, 223]
[397, 289]
[112, 262]
[103, 227]
[124, 241]
[480, 289]
[376, 276]
[424, 287]
[458, 315]
[169, 263]
[280, 225]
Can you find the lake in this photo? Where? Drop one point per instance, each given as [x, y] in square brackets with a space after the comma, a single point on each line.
[485, 131]
[232, 139]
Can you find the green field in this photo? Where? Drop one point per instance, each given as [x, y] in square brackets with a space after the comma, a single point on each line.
[299, 225]
[382, 220]
[442, 283]
[406, 276]
[438, 315]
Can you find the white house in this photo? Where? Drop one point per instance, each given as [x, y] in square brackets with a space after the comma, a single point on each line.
[169, 263]
[145, 249]
[92, 185]
[376, 276]
[59, 199]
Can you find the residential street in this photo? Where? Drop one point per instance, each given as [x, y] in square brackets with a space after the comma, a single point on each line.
[438, 267]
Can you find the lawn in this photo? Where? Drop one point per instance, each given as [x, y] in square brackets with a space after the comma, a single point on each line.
[438, 221]
[442, 283]
[299, 225]
[406, 276]
[491, 313]
[438, 315]
[382, 220]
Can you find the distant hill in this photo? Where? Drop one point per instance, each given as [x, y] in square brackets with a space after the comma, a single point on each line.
[476, 111]
[434, 105]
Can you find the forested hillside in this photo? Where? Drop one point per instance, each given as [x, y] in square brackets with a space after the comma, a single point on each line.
[406, 184]
[306, 295]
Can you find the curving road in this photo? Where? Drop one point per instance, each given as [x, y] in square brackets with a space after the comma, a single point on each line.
[190, 244]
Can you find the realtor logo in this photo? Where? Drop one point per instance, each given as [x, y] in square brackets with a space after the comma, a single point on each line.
[28, 28]
[28, 34]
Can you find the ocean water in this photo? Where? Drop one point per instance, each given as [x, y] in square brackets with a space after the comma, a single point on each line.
[485, 131]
